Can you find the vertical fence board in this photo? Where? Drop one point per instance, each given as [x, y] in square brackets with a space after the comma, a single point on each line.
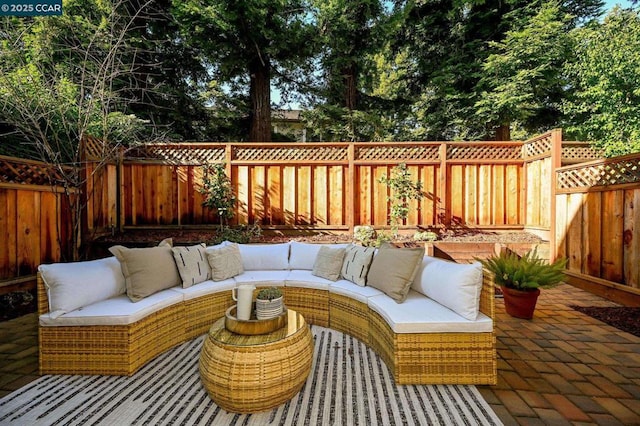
[592, 243]
[485, 191]
[8, 233]
[380, 194]
[49, 238]
[498, 196]
[457, 196]
[364, 195]
[512, 194]
[630, 238]
[613, 223]
[320, 196]
[574, 232]
[289, 195]
[28, 236]
[336, 201]
[561, 225]
[304, 196]
[472, 198]
[240, 178]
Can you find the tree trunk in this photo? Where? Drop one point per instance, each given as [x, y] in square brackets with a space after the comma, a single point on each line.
[350, 76]
[503, 132]
[260, 93]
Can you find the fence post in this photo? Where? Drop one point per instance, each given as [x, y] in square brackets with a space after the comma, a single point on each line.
[444, 193]
[351, 187]
[556, 162]
[120, 213]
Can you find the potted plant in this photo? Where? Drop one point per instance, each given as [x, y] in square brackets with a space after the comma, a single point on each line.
[269, 303]
[522, 277]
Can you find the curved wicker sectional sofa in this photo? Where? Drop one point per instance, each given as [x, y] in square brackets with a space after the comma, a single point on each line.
[421, 341]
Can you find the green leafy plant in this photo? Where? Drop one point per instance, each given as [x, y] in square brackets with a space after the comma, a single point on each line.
[526, 273]
[238, 234]
[364, 234]
[425, 236]
[269, 293]
[402, 189]
[218, 192]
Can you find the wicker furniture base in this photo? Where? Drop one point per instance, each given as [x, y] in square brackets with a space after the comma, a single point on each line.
[312, 303]
[203, 311]
[435, 358]
[349, 316]
[249, 374]
[111, 350]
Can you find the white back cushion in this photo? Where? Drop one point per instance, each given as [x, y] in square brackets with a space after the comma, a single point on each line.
[264, 257]
[454, 285]
[73, 285]
[303, 255]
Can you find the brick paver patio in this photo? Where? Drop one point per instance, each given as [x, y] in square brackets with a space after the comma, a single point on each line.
[561, 368]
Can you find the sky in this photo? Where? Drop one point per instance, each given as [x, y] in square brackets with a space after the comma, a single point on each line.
[611, 3]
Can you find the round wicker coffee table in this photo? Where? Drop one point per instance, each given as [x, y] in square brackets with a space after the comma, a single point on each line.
[249, 374]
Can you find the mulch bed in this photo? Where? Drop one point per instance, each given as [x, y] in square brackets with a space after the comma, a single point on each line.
[621, 317]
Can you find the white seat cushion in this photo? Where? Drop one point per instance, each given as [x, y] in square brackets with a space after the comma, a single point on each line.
[306, 279]
[263, 257]
[354, 291]
[419, 314]
[118, 310]
[206, 287]
[262, 278]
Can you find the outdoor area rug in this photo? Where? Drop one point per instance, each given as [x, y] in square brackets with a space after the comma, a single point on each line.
[349, 385]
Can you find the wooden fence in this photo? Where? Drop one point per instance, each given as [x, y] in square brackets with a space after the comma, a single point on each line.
[321, 186]
[335, 186]
[598, 224]
[34, 220]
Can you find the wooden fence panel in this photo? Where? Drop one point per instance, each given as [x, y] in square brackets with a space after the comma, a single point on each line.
[33, 227]
[597, 218]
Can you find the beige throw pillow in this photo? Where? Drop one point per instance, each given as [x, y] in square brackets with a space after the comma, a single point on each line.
[192, 264]
[225, 262]
[357, 260]
[147, 270]
[328, 263]
[393, 270]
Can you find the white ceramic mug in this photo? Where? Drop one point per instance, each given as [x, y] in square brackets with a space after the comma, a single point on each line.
[243, 294]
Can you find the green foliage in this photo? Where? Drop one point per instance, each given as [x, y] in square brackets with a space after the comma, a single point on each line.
[269, 293]
[524, 79]
[218, 192]
[240, 234]
[526, 273]
[425, 236]
[364, 234]
[605, 106]
[402, 189]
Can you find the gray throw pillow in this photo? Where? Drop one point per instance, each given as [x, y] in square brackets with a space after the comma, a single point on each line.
[393, 270]
[147, 270]
[328, 263]
[225, 262]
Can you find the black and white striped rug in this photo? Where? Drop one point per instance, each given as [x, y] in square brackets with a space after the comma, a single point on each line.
[349, 385]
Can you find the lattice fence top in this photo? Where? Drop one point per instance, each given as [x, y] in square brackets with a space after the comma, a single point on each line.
[14, 170]
[397, 153]
[472, 151]
[179, 153]
[296, 153]
[624, 170]
[579, 152]
[536, 147]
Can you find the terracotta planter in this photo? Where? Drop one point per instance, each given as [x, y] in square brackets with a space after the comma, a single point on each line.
[520, 304]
